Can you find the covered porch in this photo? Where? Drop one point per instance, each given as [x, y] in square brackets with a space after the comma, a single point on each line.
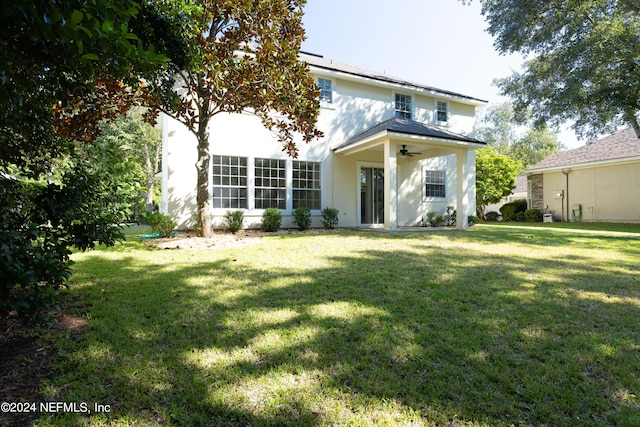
[405, 169]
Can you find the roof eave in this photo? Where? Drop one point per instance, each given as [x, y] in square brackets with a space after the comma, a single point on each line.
[583, 165]
[378, 138]
[409, 87]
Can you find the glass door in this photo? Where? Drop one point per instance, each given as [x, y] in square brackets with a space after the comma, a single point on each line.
[371, 195]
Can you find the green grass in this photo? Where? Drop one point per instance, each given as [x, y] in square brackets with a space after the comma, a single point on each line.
[496, 326]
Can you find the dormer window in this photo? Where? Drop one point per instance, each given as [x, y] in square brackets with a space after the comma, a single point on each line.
[403, 106]
[326, 91]
[442, 112]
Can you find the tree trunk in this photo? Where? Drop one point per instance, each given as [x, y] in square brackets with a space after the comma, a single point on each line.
[632, 119]
[203, 226]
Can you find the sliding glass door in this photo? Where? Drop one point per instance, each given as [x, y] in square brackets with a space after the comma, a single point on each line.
[371, 195]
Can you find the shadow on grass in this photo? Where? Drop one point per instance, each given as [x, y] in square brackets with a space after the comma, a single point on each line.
[398, 328]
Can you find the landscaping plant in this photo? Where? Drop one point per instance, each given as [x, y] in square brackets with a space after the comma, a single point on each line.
[233, 221]
[330, 217]
[302, 217]
[271, 220]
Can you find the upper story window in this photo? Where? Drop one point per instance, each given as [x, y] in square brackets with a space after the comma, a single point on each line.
[434, 183]
[229, 182]
[442, 112]
[326, 90]
[403, 105]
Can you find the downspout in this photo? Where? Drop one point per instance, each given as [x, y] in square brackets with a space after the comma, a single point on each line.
[566, 174]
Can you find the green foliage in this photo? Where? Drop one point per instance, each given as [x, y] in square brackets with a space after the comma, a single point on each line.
[583, 64]
[472, 220]
[433, 219]
[510, 210]
[39, 224]
[271, 220]
[233, 221]
[450, 217]
[495, 177]
[330, 217]
[533, 215]
[498, 127]
[302, 217]
[161, 223]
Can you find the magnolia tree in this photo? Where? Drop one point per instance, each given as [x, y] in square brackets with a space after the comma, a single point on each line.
[244, 57]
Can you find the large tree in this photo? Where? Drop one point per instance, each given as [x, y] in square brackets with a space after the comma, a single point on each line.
[498, 127]
[244, 58]
[583, 60]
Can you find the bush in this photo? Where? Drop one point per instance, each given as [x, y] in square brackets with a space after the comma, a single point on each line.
[472, 219]
[432, 219]
[450, 217]
[510, 210]
[233, 221]
[161, 224]
[271, 219]
[330, 217]
[491, 216]
[533, 215]
[302, 218]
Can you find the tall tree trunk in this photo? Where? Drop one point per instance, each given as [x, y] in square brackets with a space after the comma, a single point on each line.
[202, 191]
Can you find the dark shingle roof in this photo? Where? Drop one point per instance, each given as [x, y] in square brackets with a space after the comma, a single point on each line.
[329, 64]
[622, 145]
[409, 127]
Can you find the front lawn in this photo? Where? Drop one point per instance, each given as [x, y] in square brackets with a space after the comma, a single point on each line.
[496, 326]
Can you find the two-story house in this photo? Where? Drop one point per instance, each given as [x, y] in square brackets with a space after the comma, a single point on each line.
[392, 151]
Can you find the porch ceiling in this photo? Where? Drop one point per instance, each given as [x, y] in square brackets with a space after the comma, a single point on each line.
[416, 136]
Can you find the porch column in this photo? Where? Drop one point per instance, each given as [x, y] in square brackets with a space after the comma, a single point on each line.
[463, 189]
[390, 186]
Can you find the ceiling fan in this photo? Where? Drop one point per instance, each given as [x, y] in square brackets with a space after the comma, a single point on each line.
[406, 153]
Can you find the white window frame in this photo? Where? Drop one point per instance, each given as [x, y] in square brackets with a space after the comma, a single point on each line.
[401, 112]
[231, 185]
[324, 100]
[277, 175]
[317, 190]
[438, 111]
[427, 197]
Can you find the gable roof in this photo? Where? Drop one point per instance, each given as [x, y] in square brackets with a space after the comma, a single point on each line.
[623, 145]
[331, 65]
[406, 126]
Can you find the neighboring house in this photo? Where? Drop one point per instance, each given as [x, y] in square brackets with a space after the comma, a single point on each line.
[392, 151]
[519, 192]
[596, 182]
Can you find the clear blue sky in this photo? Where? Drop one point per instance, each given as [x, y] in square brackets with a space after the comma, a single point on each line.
[441, 43]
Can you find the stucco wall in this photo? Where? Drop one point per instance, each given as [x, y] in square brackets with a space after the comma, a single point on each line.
[355, 108]
[606, 193]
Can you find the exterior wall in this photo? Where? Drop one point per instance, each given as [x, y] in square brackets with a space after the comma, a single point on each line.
[536, 184]
[605, 193]
[355, 108]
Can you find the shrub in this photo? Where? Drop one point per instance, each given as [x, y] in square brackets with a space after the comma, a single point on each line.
[450, 217]
[432, 219]
[330, 217]
[491, 216]
[271, 219]
[302, 218]
[510, 210]
[161, 224]
[472, 219]
[533, 215]
[233, 221]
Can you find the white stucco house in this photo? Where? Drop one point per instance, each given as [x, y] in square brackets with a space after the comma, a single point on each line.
[392, 151]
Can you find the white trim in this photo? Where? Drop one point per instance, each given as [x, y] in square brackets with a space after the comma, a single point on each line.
[601, 163]
[359, 166]
[317, 70]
